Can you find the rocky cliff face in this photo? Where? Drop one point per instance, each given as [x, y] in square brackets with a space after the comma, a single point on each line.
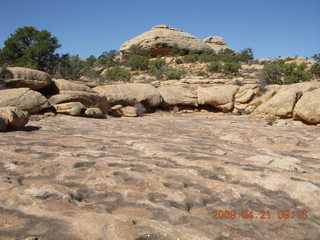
[161, 39]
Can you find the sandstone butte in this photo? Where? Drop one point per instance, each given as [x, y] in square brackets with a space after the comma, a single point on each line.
[190, 159]
[160, 40]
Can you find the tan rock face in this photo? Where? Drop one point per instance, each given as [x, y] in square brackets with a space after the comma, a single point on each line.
[24, 99]
[220, 97]
[70, 108]
[283, 102]
[160, 40]
[19, 77]
[16, 118]
[159, 177]
[65, 85]
[308, 107]
[177, 95]
[130, 94]
[89, 99]
[216, 43]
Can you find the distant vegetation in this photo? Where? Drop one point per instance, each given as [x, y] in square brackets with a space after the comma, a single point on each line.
[32, 48]
[279, 72]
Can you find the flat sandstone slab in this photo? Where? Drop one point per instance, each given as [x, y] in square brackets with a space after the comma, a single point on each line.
[161, 177]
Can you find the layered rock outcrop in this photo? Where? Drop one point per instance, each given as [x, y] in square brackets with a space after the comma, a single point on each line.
[19, 77]
[24, 99]
[130, 94]
[308, 107]
[162, 38]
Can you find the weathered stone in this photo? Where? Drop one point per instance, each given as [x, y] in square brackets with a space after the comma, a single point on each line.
[220, 97]
[159, 177]
[19, 77]
[308, 107]
[89, 99]
[70, 108]
[160, 40]
[283, 102]
[17, 118]
[95, 113]
[65, 85]
[216, 43]
[176, 95]
[24, 99]
[130, 94]
[246, 93]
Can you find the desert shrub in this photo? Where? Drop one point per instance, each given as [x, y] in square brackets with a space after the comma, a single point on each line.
[215, 67]
[315, 70]
[173, 73]
[91, 74]
[231, 68]
[117, 73]
[178, 61]
[190, 58]
[176, 51]
[136, 62]
[271, 73]
[207, 57]
[157, 67]
[316, 57]
[201, 73]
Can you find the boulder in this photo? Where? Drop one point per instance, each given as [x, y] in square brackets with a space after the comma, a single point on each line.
[246, 93]
[283, 102]
[89, 99]
[160, 40]
[24, 99]
[71, 108]
[128, 111]
[308, 107]
[216, 43]
[220, 97]
[65, 85]
[177, 95]
[3, 123]
[19, 77]
[16, 118]
[94, 113]
[130, 94]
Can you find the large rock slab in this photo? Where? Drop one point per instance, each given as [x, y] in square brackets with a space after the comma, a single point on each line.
[220, 97]
[65, 85]
[308, 107]
[24, 99]
[89, 99]
[177, 95]
[19, 77]
[160, 40]
[16, 118]
[159, 177]
[130, 94]
[283, 102]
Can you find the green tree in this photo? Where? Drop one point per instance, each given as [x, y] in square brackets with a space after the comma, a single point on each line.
[90, 61]
[316, 57]
[29, 47]
[70, 67]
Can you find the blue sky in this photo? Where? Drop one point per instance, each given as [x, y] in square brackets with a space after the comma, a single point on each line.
[271, 27]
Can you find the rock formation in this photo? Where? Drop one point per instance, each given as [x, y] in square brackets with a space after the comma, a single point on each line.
[162, 38]
[19, 77]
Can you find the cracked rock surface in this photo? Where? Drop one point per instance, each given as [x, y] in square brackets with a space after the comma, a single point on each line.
[159, 177]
